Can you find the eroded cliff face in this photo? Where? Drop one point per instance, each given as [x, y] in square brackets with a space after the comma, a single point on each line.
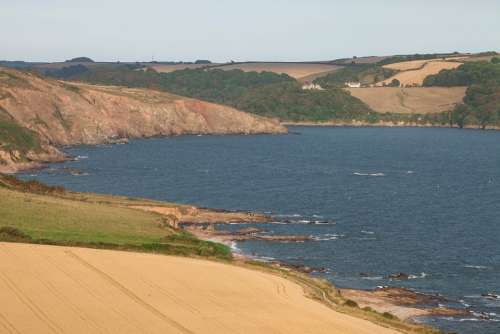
[64, 113]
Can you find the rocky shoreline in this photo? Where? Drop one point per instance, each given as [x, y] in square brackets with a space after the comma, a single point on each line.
[400, 302]
[386, 124]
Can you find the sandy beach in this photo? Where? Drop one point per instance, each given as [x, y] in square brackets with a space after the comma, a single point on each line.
[53, 289]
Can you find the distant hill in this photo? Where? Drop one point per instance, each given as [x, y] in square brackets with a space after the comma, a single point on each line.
[80, 60]
[275, 89]
[37, 113]
[263, 93]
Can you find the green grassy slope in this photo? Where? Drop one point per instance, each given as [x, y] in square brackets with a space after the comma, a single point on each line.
[32, 212]
[15, 137]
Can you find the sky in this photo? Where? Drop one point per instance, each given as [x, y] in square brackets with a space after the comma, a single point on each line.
[223, 30]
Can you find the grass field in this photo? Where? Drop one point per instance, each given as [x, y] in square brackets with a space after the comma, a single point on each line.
[418, 100]
[59, 217]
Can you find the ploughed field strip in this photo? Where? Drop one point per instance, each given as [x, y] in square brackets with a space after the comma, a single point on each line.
[55, 289]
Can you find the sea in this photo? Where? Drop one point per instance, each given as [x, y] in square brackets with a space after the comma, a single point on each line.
[376, 201]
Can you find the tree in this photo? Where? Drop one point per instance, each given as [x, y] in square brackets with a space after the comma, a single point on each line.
[203, 61]
[484, 99]
[460, 114]
[495, 60]
[80, 60]
[395, 83]
[486, 114]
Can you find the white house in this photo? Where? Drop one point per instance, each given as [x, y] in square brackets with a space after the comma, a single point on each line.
[312, 86]
[353, 84]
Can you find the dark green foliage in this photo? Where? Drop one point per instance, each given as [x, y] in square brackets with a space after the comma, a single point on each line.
[203, 61]
[388, 315]
[80, 60]
[218, 85]
[482, 99]
[289, 101]
[67, 71]
[31, 186]
[9, 233]
[460, 114]
[484, 102]
[495, 60]
[470, 73]
[351, 303]
[365, 73]
[15, 137]
[265, 93]
[395, 83]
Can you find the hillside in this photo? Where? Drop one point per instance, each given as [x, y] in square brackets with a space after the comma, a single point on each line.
[275, 89]
[266, 93]
[62, 113]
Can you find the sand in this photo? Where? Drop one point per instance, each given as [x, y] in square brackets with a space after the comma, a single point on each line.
[50, 289]
[420, 100]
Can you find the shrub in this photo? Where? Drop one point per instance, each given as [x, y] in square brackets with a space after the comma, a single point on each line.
[351, 303]
[32, 186]
[388, 315]
[11, 233]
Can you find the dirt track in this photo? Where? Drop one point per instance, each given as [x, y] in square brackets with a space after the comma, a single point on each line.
[48, 289]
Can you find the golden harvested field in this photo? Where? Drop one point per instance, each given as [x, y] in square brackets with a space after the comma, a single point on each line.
[407, 65]
[51, 289]
[295, 70]
[417, 71]
[420, 100]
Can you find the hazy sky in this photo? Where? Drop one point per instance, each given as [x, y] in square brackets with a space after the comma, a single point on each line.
[55, 30]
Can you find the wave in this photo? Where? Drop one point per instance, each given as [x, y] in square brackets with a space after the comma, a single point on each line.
[373, 278]
[327, 237]
[475, 267]
[81, 157]
[303, 222]
[368, 174]
[422, 275]
[234, 247]
[367, 232]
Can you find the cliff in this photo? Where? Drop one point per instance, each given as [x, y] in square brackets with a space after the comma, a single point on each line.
[55, 113]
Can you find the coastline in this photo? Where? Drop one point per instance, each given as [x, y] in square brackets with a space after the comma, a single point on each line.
[402, 303]
[201, 221]
[21, 246]
[384, 124]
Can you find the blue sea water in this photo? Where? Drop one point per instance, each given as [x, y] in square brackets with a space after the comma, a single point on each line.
[421, 201]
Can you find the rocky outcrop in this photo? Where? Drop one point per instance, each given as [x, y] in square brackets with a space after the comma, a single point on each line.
[64, 113]
[12, 161]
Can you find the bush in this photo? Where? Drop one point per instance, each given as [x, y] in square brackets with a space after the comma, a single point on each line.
[32, 186]
[351, 303]
[10, 233]
[388, 315]
[395, 83]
